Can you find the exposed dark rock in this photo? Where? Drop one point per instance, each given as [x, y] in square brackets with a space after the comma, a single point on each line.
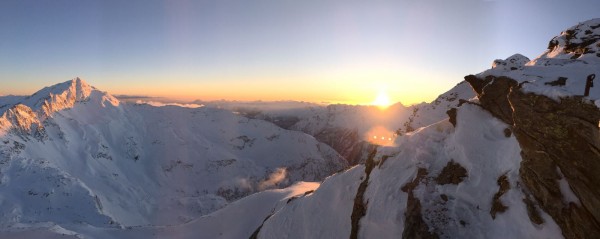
[560, 82]
[477, 84]
[577, 40]
[452, 114]
[359, 209]
[444, 197]
[408, 125]
[461, 102]
[561, 135]
[497, 205]
[553, 136]
[452, 173]
[532, 211]
[507, 132]
[382, 161]
[414, 225]
[494, 98]
[255, 233]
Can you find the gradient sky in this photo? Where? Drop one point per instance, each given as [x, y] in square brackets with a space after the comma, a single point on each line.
[319, 51]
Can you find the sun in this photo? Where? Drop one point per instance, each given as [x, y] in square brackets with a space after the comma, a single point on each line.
[382, 101]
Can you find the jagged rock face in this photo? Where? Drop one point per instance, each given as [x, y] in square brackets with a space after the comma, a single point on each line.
[22, 118]
[493, 92]
[414, 226]
[576, 42]
[558, 140]
[561, 136]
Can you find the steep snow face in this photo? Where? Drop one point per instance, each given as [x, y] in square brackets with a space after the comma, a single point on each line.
[104, 163]
[326, 213]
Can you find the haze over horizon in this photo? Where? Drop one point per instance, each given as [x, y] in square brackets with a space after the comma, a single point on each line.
[316, 51]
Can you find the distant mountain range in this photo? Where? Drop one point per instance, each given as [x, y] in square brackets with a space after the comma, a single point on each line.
[511, 152]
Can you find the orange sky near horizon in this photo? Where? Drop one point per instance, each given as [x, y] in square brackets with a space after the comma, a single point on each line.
[346, 89]
[313, 51]
[346, 85]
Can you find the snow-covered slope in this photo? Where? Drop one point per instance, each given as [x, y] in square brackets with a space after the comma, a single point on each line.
[73, 154]
[240, 219]
[519, 160]
[451, 205]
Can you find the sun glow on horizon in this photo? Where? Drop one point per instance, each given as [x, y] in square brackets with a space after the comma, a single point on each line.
[382, 101]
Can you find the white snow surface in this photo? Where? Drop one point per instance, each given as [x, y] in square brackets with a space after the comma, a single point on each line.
[477, 143]
[238, 220]
[71, 154]
[322, 214]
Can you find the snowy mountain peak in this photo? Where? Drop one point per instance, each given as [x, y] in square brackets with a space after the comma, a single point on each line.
[75, 89]
[581, 41]
[26, 113]
[64, 95]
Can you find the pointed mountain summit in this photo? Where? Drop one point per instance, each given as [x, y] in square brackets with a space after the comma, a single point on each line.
[27, 113]
[64, 95]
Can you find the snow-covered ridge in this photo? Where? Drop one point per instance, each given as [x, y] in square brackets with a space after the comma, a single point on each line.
[577, 42]
[26, 113]
[562, 70]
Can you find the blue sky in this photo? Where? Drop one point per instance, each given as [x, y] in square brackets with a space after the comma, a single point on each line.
[335, 51]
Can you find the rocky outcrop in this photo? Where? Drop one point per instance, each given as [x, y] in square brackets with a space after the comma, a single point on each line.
[23, 121]
[414, 225]
[452, 173]
[578, 40]
[556, 137]
[360, 206]
[497, 205]
[493, 94]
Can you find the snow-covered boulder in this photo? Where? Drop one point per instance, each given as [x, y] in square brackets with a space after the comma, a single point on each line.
[514, 62]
